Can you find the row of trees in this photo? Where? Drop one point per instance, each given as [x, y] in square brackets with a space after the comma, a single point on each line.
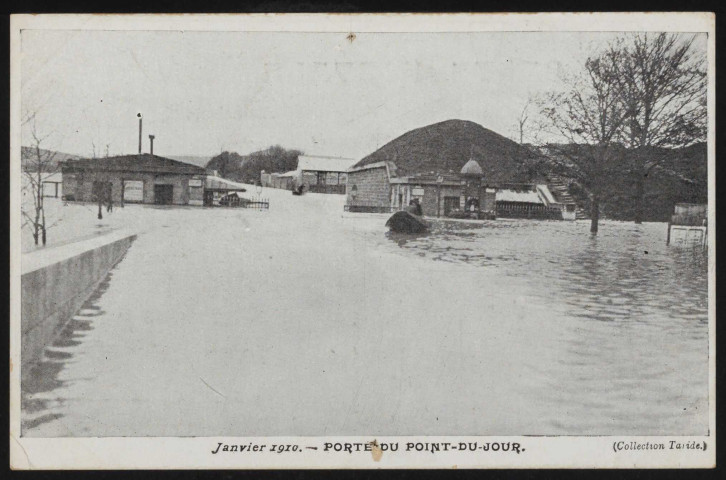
[643, 93]
[247, 168]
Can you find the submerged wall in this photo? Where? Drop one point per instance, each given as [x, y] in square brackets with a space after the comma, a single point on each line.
[55, 283]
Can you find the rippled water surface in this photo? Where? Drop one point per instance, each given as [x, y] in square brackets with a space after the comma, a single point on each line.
[626, 315]
[307, 321]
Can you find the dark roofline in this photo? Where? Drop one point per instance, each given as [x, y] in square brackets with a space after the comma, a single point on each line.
[133, 163]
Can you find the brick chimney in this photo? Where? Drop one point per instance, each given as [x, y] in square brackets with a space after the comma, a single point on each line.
[139, 115]
[151, 138]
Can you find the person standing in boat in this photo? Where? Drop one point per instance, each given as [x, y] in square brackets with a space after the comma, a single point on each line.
[414, 207]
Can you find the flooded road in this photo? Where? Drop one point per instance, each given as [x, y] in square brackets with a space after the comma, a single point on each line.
[305, 320]
[625, 315]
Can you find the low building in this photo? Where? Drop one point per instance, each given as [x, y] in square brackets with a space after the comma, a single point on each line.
[369, 188]
[688, 225]
[283, 181]
[53, 185]
[525, 200]
[324, 174]
[142, 178]
[377, 188]
[317, 173]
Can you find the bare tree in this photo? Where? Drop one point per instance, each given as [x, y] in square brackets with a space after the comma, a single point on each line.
[587, 118]
[38, 165]
[662, 85]
[523, 119]
[101, 191]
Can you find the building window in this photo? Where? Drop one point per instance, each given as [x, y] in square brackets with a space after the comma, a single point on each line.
[310, 178]
[331, 178]
[133, 190]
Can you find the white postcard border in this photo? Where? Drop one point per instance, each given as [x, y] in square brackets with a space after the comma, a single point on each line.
[196, 453]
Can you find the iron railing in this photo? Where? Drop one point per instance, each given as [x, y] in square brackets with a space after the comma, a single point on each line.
[241, 202]
[513, 210]
[370, 209]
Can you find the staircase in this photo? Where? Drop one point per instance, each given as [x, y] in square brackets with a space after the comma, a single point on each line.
[559, 188]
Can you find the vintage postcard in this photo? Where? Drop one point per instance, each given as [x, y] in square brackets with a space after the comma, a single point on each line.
[362, 241]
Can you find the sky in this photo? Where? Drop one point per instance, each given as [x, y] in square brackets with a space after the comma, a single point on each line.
[201, 93]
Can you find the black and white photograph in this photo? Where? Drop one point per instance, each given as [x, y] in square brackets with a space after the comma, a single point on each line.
[419, 241]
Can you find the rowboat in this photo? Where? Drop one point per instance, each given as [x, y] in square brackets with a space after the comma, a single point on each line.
[405, 222]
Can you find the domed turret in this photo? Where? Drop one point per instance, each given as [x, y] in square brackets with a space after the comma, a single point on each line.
[472, 169]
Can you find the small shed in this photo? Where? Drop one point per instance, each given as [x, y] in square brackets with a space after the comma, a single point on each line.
[322, 174]
[216, 188]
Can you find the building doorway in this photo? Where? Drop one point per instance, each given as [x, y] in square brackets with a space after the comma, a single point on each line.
[208, 198]
[450, 203]
[163, 194]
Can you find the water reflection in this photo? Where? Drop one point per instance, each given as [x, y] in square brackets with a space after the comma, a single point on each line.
[401, 239]
[623, 315]
[38, 403]
[625, 264]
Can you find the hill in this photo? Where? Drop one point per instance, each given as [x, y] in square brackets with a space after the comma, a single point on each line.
[446, 146]
[28, 158]
[198, 160]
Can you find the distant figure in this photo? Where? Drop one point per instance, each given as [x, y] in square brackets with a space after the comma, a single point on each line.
[414, 207]
[109, 197]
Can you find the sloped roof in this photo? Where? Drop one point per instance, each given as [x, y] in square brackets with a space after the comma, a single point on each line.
[219, 183]
[324, 164]
[134, 163]
[507, 195]
[544, 190]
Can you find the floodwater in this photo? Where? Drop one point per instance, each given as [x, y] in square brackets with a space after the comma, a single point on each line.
[305, 320]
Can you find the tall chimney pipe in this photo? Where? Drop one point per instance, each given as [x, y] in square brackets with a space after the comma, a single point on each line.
[151, 137]
[139, 115]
